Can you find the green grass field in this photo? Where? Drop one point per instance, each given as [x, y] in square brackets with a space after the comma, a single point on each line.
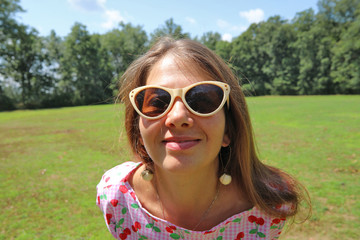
[51, 161]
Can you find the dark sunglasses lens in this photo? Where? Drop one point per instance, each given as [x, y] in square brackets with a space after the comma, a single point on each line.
[152, 101]
[204, 98]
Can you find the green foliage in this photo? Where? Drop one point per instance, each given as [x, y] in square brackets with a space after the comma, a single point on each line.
[210, 39]
[223, 49]
[314, 53]
[170, 29]
[250, 57]
[23, 63]
[123, 46]
[84, 68]
[22, 59]
[8, 24]
[5, 101]
[346, 60]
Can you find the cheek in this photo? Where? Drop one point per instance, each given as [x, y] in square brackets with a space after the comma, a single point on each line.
[143, 131]
[151, 137]
[148, 131]
[216, 127]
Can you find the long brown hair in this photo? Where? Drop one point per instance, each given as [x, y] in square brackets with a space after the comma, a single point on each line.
[266, 187]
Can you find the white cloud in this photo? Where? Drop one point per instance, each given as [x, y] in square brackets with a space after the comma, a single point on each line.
[113, 17]
[227, 37]
[253, 16]
[190, 20]
[88, 5]
[236, 29]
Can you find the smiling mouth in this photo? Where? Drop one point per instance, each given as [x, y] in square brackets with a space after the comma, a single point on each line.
[180, 141]
[174, 144]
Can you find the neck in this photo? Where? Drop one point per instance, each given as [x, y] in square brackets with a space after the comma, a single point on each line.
[186, 199]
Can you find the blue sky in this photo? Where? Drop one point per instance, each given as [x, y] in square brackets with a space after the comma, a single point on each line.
[227, 17]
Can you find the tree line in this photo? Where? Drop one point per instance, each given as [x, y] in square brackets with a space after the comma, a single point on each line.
[314, 53]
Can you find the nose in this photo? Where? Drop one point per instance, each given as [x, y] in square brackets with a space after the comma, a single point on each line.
[179, 115]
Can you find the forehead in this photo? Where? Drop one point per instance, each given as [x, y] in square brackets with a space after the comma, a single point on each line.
[170, 71]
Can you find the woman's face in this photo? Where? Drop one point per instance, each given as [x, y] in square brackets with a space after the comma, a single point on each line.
[181, 141]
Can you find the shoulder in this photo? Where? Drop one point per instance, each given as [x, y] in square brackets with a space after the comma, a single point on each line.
[117, 174]
[251, 224]
[114, 194]
[259, 224]
[113, 181]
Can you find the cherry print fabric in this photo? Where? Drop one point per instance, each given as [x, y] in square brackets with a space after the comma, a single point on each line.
[127, 219]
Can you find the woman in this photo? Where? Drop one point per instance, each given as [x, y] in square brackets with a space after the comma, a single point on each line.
[196, 174]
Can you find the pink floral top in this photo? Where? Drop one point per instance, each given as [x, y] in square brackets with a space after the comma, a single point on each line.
[127, 219]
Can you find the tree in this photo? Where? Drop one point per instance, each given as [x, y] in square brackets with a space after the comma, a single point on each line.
[170, 29]
[258, 54]
[346, 59]
[5, 102]
[123, 46]
[23, 64]
[306, 46]
[85, 73]
[284, 62]
[8, 24]
[248, 59]
[223, 49]
[313, 54]
[53, 50]
[210, 39]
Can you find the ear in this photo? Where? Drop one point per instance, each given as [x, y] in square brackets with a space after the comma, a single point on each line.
[226, 140]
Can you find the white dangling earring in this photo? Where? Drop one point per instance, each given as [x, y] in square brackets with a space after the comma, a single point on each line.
[147, 175]
[225, 178]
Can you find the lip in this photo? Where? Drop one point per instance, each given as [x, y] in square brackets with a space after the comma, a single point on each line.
[180, 143]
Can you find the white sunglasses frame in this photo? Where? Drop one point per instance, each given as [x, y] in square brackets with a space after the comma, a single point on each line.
[180, 92]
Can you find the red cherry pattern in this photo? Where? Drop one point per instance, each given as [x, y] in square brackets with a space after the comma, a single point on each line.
[136, 226]
[126, 232]
[114, 202]
[253, 219]
[240, 236]
[275, 221]
[108, 217]
[123, 189]
[170, 229]
[258, 222]
[133, 195]
[123, 236]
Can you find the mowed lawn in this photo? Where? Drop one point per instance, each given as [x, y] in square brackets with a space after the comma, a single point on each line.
[52, 160]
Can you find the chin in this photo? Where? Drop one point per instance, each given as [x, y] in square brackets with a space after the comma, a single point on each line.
[179, 165]
[185, 165]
